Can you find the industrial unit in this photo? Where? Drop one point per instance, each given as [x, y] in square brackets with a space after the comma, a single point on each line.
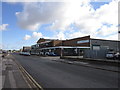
[73, 47]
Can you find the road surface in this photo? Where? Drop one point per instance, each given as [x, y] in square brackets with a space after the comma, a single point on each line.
[52, 74]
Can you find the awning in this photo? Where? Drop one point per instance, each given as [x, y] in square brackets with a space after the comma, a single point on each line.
[64, 47]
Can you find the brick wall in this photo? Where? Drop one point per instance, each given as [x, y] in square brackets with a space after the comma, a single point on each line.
[73, 42]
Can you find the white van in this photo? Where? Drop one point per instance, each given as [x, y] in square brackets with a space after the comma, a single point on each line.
[110, 55]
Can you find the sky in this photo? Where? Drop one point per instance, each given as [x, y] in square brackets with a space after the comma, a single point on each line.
[23, 23]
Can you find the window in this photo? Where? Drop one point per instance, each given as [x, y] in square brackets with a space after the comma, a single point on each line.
[82, 41]
[96, 47]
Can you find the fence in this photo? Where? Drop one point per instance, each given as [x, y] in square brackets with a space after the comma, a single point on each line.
[95, 54]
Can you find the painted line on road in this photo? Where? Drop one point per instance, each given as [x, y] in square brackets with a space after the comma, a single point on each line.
[31, 78]
[25, 78]
[38, 86]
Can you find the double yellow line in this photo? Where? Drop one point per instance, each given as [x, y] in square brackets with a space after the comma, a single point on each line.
[24, 72]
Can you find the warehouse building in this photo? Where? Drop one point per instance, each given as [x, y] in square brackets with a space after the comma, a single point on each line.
[99, 48]
[73, 47]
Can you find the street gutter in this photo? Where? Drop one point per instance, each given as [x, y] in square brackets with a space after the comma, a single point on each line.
[30, 79]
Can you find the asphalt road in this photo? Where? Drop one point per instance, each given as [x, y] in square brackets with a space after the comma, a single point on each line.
[51, 74]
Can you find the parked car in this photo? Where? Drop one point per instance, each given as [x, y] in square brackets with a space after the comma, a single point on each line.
[110, 55]
[52, 54]
[37, 54]
[25, 53]
[117, 55]
[41, 53]
[47, 53]
[21, 53]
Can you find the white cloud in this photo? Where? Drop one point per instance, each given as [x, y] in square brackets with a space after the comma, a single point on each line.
[112, 37]
[104, 31]
[75, 35]
[3, 27]
[36, 14]
[54, 0]
[27, 37]
[60, 36]
[37, 35]
[108, 13]
[62, 15]
[15, 1]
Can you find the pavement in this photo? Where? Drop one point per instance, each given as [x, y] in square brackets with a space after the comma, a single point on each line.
[91, 65]
[90, 59]
[50, 73]
[12, 76]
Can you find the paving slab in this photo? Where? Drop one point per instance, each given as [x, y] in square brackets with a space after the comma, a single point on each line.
[11, 75]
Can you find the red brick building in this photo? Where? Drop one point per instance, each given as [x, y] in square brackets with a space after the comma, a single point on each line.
[61, 47]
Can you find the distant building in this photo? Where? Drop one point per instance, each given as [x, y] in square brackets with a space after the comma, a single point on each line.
[20, 50]
[26, 49]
